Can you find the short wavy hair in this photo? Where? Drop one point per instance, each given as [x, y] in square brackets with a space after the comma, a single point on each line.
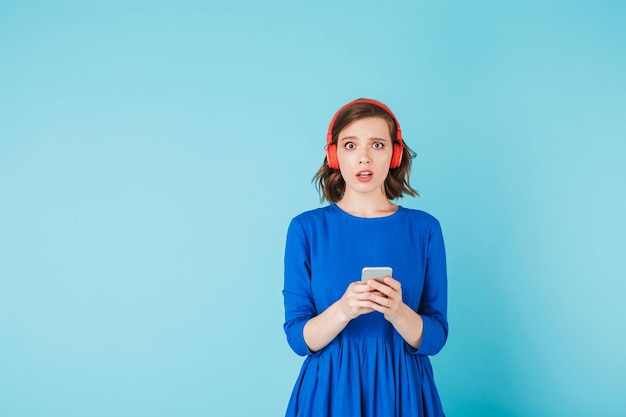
[329, 182]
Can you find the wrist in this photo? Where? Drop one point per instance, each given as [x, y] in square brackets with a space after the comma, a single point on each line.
[340, 315]
[402, 316]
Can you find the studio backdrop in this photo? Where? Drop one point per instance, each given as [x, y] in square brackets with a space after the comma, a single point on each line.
[152, 155]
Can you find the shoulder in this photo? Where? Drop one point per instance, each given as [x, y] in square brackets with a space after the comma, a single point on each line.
[419, 219]
[314, 216]
[309, 227]
[418, 215]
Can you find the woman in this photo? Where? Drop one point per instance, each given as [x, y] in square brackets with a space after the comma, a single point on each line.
[367, 342]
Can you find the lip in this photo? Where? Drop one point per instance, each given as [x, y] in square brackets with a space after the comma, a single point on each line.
[365, 178]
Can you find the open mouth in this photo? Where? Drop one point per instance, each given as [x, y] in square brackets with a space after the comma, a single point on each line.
[364, 175]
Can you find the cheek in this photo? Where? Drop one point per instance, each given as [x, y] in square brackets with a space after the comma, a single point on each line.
[345, 158]
[385, 159]
[343, 168]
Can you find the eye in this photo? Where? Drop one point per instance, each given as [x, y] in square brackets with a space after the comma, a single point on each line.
[378, 145]
[349, 145]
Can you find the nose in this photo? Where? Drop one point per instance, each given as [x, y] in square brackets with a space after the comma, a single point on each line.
[364, 156]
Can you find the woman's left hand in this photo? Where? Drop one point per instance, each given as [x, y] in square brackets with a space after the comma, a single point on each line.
[387, 297]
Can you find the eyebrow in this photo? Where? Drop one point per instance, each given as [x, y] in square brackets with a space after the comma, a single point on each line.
[373, 138]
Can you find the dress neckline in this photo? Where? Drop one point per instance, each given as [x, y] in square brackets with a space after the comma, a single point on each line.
[345, 213]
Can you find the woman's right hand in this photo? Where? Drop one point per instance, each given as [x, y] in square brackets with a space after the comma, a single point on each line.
[356, 300]
[323, 328]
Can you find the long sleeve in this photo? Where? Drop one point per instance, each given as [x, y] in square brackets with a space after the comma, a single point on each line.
[298, 298]
[434, 301]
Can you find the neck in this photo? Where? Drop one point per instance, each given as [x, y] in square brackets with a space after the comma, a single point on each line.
[368, 206]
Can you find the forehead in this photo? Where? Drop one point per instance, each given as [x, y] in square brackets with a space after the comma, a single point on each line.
[374, 126]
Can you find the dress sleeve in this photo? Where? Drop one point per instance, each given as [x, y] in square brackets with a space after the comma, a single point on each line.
[434, 302]
[297, 295]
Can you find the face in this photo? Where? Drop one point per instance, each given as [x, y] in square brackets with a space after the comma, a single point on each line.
[364, 150]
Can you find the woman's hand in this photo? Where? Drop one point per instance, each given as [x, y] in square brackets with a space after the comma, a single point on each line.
[320, 330]
[357, 300]
[362, 298]
[387, 298]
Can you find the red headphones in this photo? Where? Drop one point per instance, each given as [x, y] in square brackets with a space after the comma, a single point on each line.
[331, 148]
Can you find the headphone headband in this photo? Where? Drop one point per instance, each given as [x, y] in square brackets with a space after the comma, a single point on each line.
[331, 149]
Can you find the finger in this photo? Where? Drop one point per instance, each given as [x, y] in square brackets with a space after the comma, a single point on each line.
[395, 284]
[381, 309]
[360, 287]
[379, 286]
[365, 306]
[360, 300]
[380, 300]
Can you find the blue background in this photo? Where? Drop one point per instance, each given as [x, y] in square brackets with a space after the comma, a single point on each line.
[153, 153]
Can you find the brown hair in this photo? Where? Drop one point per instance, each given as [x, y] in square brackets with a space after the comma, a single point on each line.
[329, 182]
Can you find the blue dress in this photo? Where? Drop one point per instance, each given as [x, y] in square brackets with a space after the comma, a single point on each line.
[368, 369]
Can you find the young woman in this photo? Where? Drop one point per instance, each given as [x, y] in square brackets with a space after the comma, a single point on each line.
[367, 342]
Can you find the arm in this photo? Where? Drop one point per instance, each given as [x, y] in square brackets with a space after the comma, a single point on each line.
[407, 322]
[434, 303]
[426, 330]
[307, 330]
[297, 295]
[319, 331]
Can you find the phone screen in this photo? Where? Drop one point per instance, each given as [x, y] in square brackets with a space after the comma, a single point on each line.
[375, 272]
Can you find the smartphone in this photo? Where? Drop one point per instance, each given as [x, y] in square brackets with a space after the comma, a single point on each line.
[376, 272]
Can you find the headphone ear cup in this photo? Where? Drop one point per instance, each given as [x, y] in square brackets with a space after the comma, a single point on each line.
[396, 158]
[331, 156]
